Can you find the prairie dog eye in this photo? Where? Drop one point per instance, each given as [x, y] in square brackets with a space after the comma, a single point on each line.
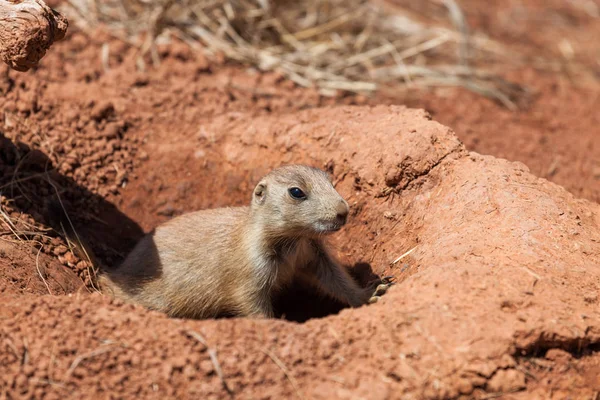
[296, 193]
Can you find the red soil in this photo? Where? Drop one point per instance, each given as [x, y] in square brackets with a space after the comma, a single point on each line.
[556, 135]
[498, 298]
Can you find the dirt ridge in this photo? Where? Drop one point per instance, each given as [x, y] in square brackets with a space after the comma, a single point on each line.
[425, 338]
[498, 296]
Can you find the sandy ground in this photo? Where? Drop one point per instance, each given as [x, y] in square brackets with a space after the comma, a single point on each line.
[499, 298]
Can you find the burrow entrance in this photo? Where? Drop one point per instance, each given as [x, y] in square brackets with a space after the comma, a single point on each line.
[112, 232]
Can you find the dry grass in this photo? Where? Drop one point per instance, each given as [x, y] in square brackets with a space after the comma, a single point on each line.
[334, 45]
[402, 256]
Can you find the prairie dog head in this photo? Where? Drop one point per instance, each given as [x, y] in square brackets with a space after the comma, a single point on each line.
[298, 200]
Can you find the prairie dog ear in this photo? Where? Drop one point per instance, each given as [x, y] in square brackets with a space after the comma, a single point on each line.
[260, 193]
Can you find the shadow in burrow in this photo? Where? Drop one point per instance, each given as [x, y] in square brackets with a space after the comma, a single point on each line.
[30, 181]
[301, 302]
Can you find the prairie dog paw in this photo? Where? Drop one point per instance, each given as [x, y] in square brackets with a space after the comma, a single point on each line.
[381, 288]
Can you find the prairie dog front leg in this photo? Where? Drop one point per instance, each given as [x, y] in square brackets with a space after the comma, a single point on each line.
[333, 279]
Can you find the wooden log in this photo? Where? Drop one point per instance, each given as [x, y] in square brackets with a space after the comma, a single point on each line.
[27, 30]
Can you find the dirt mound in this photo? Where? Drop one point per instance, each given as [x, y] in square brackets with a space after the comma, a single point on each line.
[556, 134]
[503, 272]
[556, 137]
[498, 292]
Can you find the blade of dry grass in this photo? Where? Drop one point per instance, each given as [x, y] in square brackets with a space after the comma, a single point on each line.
[212, 353]
[37, 267]
[285, 371]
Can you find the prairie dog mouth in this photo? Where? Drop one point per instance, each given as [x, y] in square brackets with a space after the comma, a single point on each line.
[327, 226]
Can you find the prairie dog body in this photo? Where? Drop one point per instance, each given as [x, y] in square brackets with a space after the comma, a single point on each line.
[229, 261]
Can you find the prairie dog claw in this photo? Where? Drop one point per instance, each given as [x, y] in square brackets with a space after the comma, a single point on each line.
[381, 289]
[388, 280]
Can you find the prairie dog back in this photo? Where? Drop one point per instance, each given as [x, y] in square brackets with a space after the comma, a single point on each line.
[185, 258]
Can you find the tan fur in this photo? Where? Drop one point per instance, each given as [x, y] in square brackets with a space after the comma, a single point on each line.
[231, 260]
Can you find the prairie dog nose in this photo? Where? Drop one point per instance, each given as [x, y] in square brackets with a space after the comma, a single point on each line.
[342, 211]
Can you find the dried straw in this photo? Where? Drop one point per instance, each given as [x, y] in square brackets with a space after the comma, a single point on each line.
[334, 45]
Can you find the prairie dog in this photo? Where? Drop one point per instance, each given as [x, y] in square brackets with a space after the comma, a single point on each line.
[230, 261]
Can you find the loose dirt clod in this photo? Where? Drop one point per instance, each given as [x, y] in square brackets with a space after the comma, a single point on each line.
[27, 29]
